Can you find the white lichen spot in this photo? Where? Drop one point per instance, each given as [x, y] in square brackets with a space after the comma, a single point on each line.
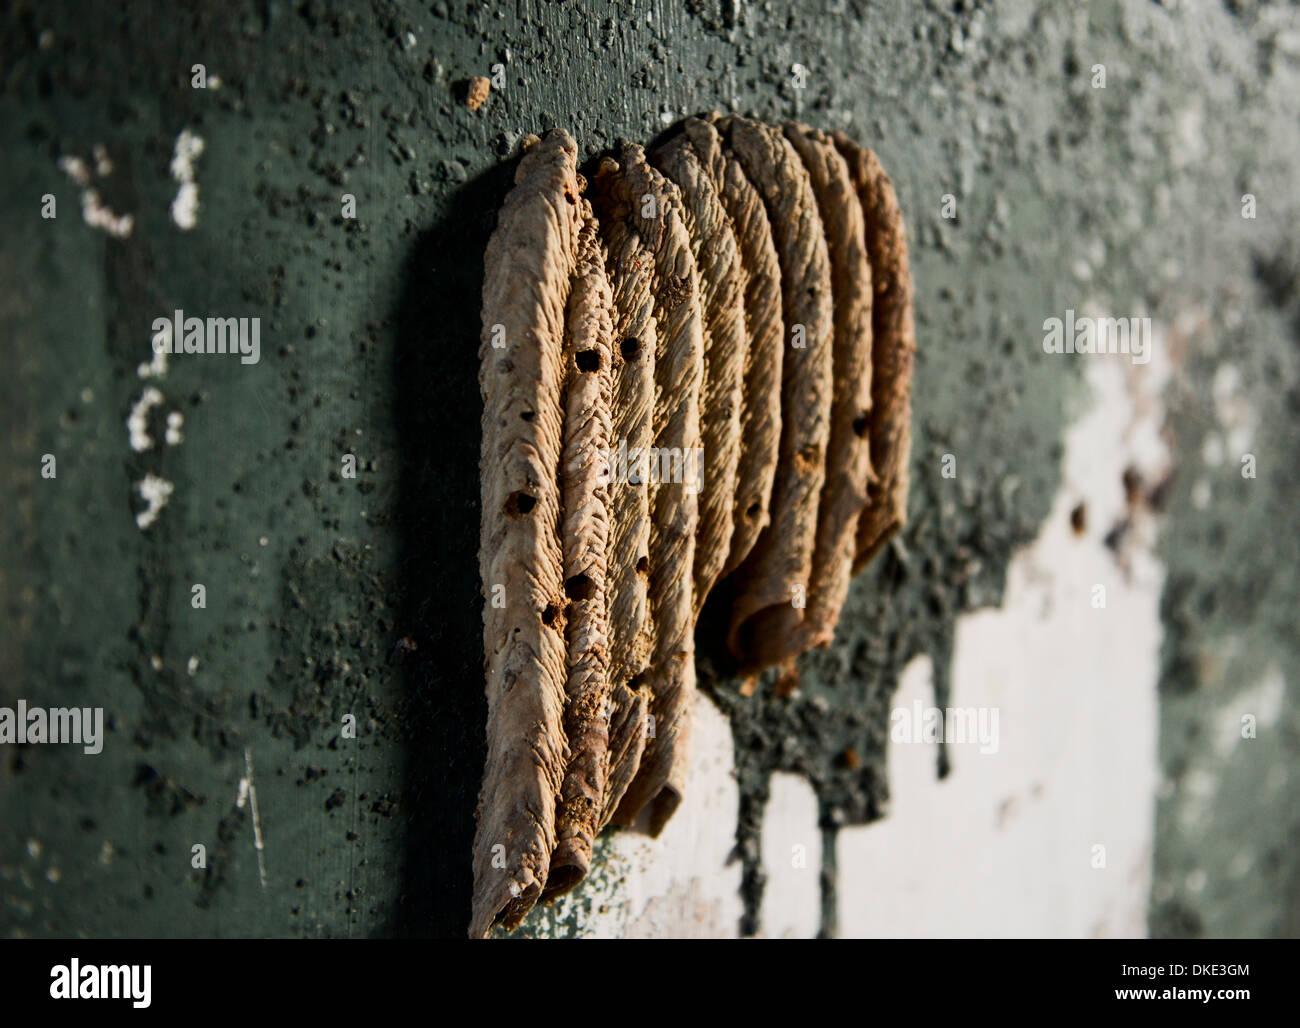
[192, 666]
[34, 849]
[155, 492]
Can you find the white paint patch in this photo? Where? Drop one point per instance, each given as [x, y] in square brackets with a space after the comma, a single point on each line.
[76, 169]
[248, 792]
[792, 860]
[95, 214]
[1263, 702]
[1006, 845]
[185, 208]
[137, 422]
[1233, 409]
[185, 154]
[157, 365]
[103, 165]
[156, 492]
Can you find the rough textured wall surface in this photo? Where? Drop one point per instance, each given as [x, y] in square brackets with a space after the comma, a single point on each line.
[329, 595]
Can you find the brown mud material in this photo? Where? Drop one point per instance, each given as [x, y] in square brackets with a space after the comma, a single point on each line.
[679, 371]
[848, 456]
[747, 317]
[629, 709]
[630, 267]
[781, 561]
[893, 347]
[477, 92]
[584, 478]
[760, 407]
[722, 280]
[528, 266]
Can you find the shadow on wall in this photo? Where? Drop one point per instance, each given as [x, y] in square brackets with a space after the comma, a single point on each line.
[437, 419]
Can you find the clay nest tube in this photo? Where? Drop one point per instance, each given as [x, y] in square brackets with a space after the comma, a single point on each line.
[759, 310]
[675, 482]
[760, 274]
[848, 454]
[893, 346]
[773, 581]
[722, 281]
[584, 477]
[527, 270]
[630, 269]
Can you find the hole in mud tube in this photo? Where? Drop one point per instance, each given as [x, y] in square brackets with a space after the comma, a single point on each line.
[630, 348]
[519, 504]
[562, 879]
[579, 587]
[588, 360]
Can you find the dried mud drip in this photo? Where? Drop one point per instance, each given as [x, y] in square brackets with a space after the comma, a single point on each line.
[684, 398]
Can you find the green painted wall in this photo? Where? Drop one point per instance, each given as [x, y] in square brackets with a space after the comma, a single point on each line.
[329, 595]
